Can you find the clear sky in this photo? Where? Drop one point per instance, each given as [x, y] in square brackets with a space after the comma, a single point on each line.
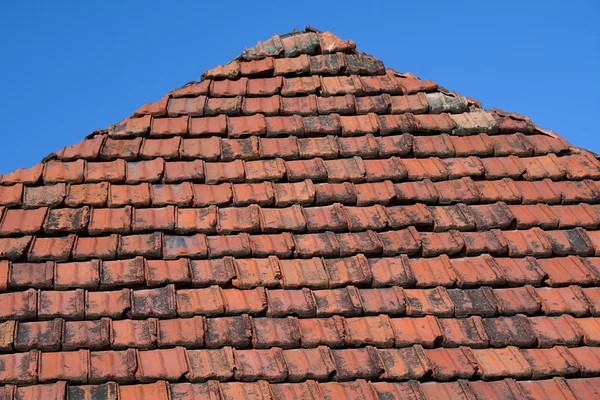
[70, 67]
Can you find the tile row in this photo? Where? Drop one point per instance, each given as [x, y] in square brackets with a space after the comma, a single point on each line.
[515, 243]
[313, 273]
[244, 331]
[290, 148]
[168, 302]
[297, 365]
[556, 388]
[297, 219]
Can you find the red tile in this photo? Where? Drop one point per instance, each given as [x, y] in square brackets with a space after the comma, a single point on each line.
[110, 220]
[139, 334]
[421, 302]
[192, 89]
[434, 244]
[266, 365]
[50, 196]
[111, 171]
[539, 215]
[107, 304]
[399, 364]
[257, 67]
[192, 106]
[67, 304]
[244, 301]
[157, 108]
[168, 364]
[336, 104]
[324, 147]
[358, 389]
[151, 219]
[569, 300]
[54, 249]
[379, 105]
[17, 221]
[77, 275]
[160, 272]
[550, 362]
[532, 242]
[244, 149]
[322, 124]
[228, 71]
[86, 334]
[176, 194]
[14, 248]
[504, 190]
[301, 193]
[208, 149]
[520, 272]
[208, 126]
[211, 364]
[407, 241]
[148, 245]
[430, 123]
[67, 220]
[141, 171]
[28, 176]
[289, 66]
[265, 170]
[539, 192]
[264, 86]
[391, 272]
[473, 302]
[277, 126]
[233, 245]
[275, 332]
[11, 195]
[94, 194]
[206, 301]
[463, 332]
[429, 272]
[25, 275]
[231, 331]
[283, 303]
[371, 193]
[154, 302]
[511, 331]
[341, 85]
[301, 106]
[128, 149]
[300, 86]
[104, 248]
[344, 301]
[19, 368]
[227, 106]
[220, 172]
[280, 245]
[306, 43]
[309, 364]
[515, 144]
[157, 390]
[4, 272]
[135, 195]
[571, 216]
[286, 219]
[191, 220]
[88, 149]
[117, 366]
[303, 273]
[500, 363]
[166, 127]
[353, 363]
[556, 331]
[374, 331]
[563, 271]
[41, 335]
[322, 331]
[188, 332]
[572, 241]
[261, 105]
[70, 172]
[449, 364]
[185, 246]
[130, 127]
[242, 126]
[228, 88]
[166, 148]
[578, 166]
[522, 300]
[379, 83]
[205, 195]
[327, 64]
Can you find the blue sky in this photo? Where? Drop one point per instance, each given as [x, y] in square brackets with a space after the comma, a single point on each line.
[70, 67]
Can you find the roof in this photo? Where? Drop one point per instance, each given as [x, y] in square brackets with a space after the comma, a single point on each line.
[304, 223]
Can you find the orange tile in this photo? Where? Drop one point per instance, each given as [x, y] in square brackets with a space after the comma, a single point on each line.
[40, 335]
[300, 86]
[140, 171]
[277, 126]
[266, 365]
[309, 364]
[28, 176]
[300, 106]
[128, 149]
[228, 88]
[225, 105]
[137, 334]
[210, 364]
[167, 364]
[206, 301]
[113, 171]
[184, 246]
[341, 85]
[117, 366]
[228, 71]
[113, 304]
[157, 390]
[192, 89]
[264, 86]
[157, 108]
[191, 220]
[208, 126]
[188, 332]
[160, 272]
[104, 248]
[158, 303]
[261, 105]
[152, 219]
[208, 149]
[51, 249]
[130, 127]
[93, 335]
[33, 197]
[135, 195]
[67, 220]
[286, 148]
[19, 368]
[288, 66]
[290, 302]
[343, 105]
[233, 245]
[205, 195]
[147, 245]
[363, 363]
[92, 194]
[242, 126]
[376, 193]
[192, 106]
[17, 221]
[257, 66]
[67, 304]
[327, 64]
[77, 275]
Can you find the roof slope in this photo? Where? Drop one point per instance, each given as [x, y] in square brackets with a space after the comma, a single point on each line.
[304, 223]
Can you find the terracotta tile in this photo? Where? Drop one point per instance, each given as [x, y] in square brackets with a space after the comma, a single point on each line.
[289, 66]
[104, 248]
[228, 71]
[228, 88]
[192, 106]
[357, 363]
[374, 331]
[559, 301]
[500, 363]
[400, 364]
[232, 331]
[278, 126]
[341, 85]
[242, 126]
[345, 301]
[187, 332]
[160, 272]
[111, 171]
[532, 242]
[227, 105]
[515, 144]
[509, 331]
[264, 86]
[224, 172]
[407, 241]
[300, 86]
[252, 301]
[348, 271]
[157, 108]
[577, 166]
[290, 302]
[494, 216]
[256, 272]
[33, 197]
[86, 334]
[301, 193]
[586, 359]
[321, 244]
[206, 390]
[520, 272]
[463, 332]
[457, 217]
[306, 169]
[192, 89]
[395, 124]
[192, 220]
[584, 387]
[449, 364]
[205, 195]
[54, 249]
[212, 272]
[408, 390]
[130, 127]
[210, 364]
[550, 362]
[110, 220]
[70, 172]
[25, 275]
[266, 365]
[352, 169]
[581, 215]
[521, 300]
[556, 331]
[170, 126]
[429, 123]
[490, 242]
[322, 331]
[438, 146]
[434, 244]
[539, 192]
[11, 195]
[67, 220]
[117, 366]
[473, 302]
[154, 302]
[208, 149]
[157, 390]
[151, 171]
[233, 245]
[206, 301]
[324, 147]
[29, 176]
[54, 391]
[139, 334]
[19, 368]
[577, 192]
[208, 126]
[72, 366]
[375, 84]
[391, 272]
[309, 364]
[504, 190]
[17, 221]
[264, 105]
[14, 248]
[476, 145]
[368, 243]
[41, 335]
[95, 195]
[540, 215]
[135, 195]
[358, 389]
[343, 105]
[430, 168]
[271, 332]
[375, 104]
[563, 271]
[370, 193]
[127, 149]
[152, 219]
[367, 218]
[67, 304]
[430, 272]
[572, 241]
[301, 106]
[328, 64]
[265, 170]
[107, 304]
[457, 191]
[180, 194]
[77, 275]
[423, 191]
[243, 149]
[420, 302]
[464, 166]
[257, 67]
[308, 273]
[168, 364]
[148, 245]
[4, 272]
[424, 331]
